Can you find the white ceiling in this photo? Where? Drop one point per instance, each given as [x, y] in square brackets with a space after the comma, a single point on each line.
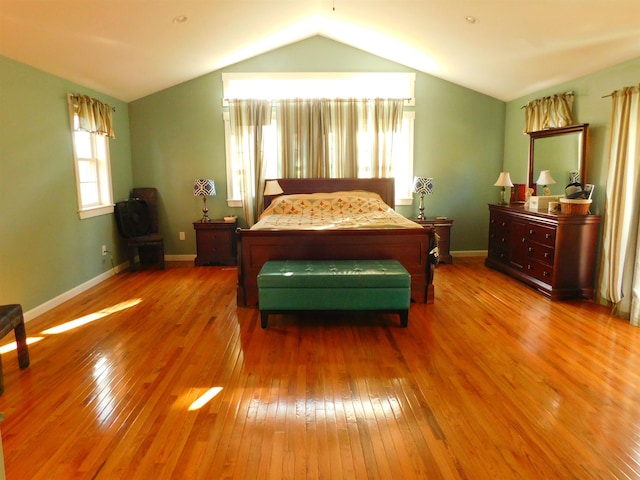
[132, 48]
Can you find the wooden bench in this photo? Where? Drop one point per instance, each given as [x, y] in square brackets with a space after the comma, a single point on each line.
[296, 285]
[11, 318]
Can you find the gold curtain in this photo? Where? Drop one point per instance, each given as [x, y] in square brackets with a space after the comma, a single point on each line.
[337, 138]
[619, 273]
[247, 118]
[387, 120]
[549, 112]
[93, 115]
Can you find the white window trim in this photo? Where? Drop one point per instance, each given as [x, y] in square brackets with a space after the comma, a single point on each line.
[106, 207]
[282, 85]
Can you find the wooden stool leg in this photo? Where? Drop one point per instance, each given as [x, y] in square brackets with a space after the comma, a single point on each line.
[21, 343]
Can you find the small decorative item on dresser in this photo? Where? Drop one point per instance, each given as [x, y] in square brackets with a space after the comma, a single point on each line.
[422, 185]
[575, 206]
[504, 180]
[204, 187]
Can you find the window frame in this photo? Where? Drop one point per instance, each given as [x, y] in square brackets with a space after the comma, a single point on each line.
[102, 166]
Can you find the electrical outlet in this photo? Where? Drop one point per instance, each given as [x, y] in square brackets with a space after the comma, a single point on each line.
[181, 235]
[104, 250]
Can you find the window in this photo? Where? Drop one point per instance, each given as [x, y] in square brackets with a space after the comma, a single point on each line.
[92, 168]
[327, 85]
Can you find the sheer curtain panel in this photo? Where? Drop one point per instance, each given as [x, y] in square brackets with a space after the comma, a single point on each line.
[619, 274]
[247, 118]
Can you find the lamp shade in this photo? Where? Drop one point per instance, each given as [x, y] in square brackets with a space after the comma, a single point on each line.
[545, 178]
[204, 186]
[272, 187]
[423, 185]
[504, 180]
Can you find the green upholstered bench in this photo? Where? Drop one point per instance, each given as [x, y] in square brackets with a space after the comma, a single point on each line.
[294, 285]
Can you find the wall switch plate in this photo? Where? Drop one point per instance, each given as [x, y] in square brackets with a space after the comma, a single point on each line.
[181, 235]
[104, 250]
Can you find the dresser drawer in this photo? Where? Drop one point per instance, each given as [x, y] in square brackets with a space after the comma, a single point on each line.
[541, 234]
[540, 252]
[540, 271]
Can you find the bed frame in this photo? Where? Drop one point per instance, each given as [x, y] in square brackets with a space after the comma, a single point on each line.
[409, 246]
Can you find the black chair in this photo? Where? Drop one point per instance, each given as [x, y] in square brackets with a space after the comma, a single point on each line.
[137, 220]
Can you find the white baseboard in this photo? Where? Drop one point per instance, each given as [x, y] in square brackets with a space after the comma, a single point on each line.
[54, 302]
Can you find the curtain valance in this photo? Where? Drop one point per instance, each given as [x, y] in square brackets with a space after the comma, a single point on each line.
[93, 115]
[549, 112]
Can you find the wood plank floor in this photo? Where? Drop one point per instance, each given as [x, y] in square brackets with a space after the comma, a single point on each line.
[493, 381]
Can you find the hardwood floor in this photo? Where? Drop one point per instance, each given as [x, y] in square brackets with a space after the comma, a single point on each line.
[493, 381]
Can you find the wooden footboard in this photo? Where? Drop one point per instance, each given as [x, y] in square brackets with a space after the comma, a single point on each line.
[410, 247]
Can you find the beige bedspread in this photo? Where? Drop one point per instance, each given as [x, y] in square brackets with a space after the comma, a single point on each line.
[337, 210]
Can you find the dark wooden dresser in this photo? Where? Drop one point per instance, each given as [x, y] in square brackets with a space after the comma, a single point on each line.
[555, 254]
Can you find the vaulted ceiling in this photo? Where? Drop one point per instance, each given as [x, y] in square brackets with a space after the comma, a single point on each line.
[503, 48]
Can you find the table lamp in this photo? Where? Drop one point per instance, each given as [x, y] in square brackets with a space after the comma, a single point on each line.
[204, 187]
[423, 186]
[545, 179]
[504, 180]
[272, 187]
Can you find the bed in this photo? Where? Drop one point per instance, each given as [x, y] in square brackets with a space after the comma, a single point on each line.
[409, 243]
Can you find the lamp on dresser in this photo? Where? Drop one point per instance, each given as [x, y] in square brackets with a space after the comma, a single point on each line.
[545, 179]
[204, 187]
[423, 186]
[504, 180]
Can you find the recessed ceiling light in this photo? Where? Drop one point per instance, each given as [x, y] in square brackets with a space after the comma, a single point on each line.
[180, 19]
[471, 19]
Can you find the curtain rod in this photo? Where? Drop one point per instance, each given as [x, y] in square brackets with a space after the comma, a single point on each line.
[73, 95]
[565, 93]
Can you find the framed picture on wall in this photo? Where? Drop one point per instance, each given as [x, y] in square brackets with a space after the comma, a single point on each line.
[588, 189]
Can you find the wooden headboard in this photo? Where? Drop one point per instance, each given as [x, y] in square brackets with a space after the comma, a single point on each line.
[385, 187]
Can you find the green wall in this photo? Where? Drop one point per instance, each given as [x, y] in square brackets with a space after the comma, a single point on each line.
[177, 135]
[462, 138]
[45, 250]
[589, 107]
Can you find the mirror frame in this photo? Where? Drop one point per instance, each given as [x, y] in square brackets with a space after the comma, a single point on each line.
[553, 132]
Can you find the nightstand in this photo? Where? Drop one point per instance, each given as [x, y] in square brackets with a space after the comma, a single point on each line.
[443, 229]
[216, 243]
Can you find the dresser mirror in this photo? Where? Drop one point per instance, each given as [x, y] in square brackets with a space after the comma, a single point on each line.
[562, 151]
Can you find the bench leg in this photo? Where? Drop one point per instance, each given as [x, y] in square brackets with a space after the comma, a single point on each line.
[404, 318]
[264, 318]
